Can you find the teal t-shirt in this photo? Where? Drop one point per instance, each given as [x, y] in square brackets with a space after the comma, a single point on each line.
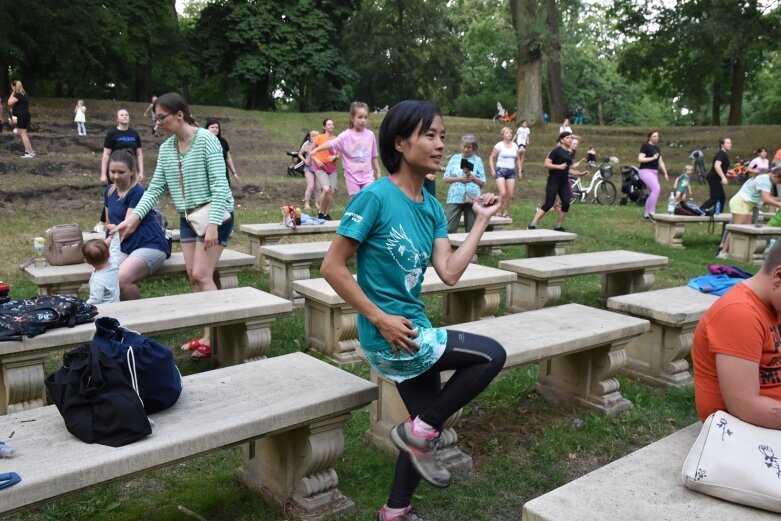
[683, 184]
[397, 238]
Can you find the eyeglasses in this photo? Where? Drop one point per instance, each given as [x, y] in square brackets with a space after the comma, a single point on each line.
[161, 117]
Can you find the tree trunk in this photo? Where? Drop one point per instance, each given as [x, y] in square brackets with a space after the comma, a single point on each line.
[529, 91]
[142, 87]
[715, 118]
[736, 93]
[259, 98]
[600, 114]
[558, 104]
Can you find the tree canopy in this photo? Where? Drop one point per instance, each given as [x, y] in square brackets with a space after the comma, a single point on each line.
[626, 62]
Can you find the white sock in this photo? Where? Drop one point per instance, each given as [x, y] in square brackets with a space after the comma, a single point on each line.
[392, 513]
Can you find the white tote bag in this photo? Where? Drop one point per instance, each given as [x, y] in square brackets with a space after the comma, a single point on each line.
[736, 461]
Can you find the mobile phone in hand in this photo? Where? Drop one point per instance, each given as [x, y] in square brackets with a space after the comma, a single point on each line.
[465, 163]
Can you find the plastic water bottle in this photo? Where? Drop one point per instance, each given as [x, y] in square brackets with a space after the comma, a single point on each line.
[671, 204]
[718, 208]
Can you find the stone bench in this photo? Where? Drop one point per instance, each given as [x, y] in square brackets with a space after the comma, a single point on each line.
[660, 356]
[670, 228]
[539, 279]
[287, 412]
[579, 349]
[288, 263]
[263, 234]
[747, 242]
[331, 325]
[53, 280]
[539, 243]
[642, 486]
[240, 319]
[495, 223]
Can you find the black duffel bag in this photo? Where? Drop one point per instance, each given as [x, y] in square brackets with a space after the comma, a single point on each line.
[96, 399]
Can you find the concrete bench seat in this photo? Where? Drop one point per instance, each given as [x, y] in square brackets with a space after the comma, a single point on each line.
[287, 412]
[670, 228]
[53, 280]
[579, 349]
[660, 356]
[495, 223]
[539, 243]
[331, 325]
[271, 233]
[642, 486]
[539, 279]
[172, 233]
[240, 319]
[747, 242]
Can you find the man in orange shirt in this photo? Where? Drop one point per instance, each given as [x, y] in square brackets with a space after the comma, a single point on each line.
[737, 350]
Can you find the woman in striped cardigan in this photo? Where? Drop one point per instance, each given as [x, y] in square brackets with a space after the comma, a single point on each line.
[191, 168]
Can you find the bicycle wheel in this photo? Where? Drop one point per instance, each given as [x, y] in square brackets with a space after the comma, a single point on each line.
[576, 193]
[606, 193]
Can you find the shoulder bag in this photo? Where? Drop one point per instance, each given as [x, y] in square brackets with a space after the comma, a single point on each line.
[198, 219]
[736, 461]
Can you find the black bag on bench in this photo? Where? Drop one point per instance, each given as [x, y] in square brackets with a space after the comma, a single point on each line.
[96, 399]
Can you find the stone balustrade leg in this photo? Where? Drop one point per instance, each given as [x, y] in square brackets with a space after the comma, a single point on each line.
[460, 307]
[282, 275]
[21, 383]
[227, 278]
[60, 288]
[333, 331]
[586, 378]
[670, 234]
[626, 282]
[242, 342]
[659, 356]
[529, 294]
[294, 470]
[543, 250]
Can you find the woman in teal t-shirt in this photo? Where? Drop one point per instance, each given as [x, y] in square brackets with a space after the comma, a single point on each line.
[396, 228]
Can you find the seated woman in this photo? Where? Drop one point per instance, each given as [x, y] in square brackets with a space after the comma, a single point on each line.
[737, 367]
[144, 252]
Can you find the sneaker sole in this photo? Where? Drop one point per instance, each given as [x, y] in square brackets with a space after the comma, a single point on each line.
[402, 445]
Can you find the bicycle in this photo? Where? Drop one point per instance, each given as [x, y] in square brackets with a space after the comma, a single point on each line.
[697, 158]
[600, 188]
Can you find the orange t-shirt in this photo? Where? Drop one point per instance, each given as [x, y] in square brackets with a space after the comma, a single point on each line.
[738, 324]
[323, 155]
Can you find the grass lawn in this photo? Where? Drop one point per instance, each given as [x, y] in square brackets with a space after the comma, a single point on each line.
[522, 446]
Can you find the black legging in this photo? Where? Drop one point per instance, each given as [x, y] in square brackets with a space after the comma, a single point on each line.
[558, 185]
[716, 192]
[476, 360]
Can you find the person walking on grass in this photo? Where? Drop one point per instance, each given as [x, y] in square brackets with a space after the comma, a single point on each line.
[650, 159]
[80, 117]
[312, 186]
[191, 168]
[717, 177]
[324, 163]
[523, 140]
[558, 163]
[396, 228]
[358, 148]
[19, 103]
[505, 164]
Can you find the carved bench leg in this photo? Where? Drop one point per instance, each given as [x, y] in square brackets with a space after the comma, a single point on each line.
[332, 330]
[227, 278]
[586, 378]
[460, 307]
[670, 234]
[659, 356]
[528, 294]
[389, 410]
[282, 275]
[21, 383]
[294, 470]
[747, 248]
[626, 282]
[255, 243]
[60, 288]
[243, 342]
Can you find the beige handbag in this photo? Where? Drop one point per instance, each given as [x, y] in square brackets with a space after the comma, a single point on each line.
[198, 219]
[63, 245]
[736, 461]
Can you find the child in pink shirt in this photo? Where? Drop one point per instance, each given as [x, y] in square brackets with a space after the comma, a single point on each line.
[358, 148]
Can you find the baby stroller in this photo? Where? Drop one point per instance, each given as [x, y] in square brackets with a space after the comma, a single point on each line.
[296, 168]
[632, 186]
[698, 160]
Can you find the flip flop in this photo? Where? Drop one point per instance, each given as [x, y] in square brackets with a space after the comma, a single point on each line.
[192, 345]
[201, 353]
[9, 479]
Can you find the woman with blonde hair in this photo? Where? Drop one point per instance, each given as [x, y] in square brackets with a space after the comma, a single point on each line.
[505, 163]
[19, 102]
